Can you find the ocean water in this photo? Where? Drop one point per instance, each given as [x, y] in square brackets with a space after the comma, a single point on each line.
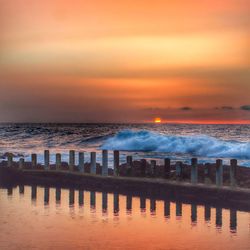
[151, 141]
[49, 218]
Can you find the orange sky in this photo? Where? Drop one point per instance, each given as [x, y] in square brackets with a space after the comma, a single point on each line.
[124, 61]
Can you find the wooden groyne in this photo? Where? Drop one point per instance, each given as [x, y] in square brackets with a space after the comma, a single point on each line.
[214, 183]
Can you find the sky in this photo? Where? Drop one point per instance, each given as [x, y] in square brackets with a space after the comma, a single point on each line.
[125, 61]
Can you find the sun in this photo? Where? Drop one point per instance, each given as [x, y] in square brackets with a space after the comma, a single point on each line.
[157, 120]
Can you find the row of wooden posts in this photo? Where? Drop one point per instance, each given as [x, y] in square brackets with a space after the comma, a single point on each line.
[116, 164]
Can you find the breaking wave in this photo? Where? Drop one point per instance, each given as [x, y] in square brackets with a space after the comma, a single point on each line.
[196, 145]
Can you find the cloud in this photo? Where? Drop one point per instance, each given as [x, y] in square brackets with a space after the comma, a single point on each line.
[225, 108]
[186, 108]
[245, 107]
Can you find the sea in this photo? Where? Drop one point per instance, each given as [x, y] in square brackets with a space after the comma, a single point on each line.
[179, 142]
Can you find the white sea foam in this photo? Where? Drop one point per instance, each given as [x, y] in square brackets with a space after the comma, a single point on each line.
[197, 145]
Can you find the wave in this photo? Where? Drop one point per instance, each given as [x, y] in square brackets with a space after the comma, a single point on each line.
[196, 145]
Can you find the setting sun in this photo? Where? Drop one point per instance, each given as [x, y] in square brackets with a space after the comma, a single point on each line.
[157, 120]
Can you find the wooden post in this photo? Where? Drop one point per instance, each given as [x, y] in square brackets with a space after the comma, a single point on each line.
[21, 163]
[58, 161]
[153, 167]
[116, 162]
[219, 173]
[194, 171]
[81, 162]
[10, 160]
[233, 172]
[46, 159]
[143, 167]
[105, 162]
[93, 163]
[178, 169]
[129, 160]
[71, 160]
[207, 173]
[33, 160]
[167, 167]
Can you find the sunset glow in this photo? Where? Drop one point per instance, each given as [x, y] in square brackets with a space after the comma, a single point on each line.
[124, 61]
[157, 120]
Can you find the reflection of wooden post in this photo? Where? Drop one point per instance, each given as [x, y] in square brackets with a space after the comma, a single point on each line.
[81, 197]
[33, 160]
[116, 203]
[207, 213]
[21, 163]
[33, 192]
[93, 163]
[142, 203]
[129, 203]
[46, 195]
[233, 169]
[46, 159]
[104, 201]
[167, 167]
[71, 160]
[219, 173]
[58, 195]
[167, 208]
[152, 205]
[92, 199]
[116, 162]
[218, 221]
[194, 171]
[233, 219]
[10, 160]
[178, 208]
[71, 197]
[193, 212]
[105, 162]
[81, 162]
[58, 161]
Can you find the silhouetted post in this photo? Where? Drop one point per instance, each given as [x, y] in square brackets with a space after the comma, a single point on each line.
[129, 160]
[178, 170]
[46, 159]
[71, 197]
[58, 161]
[104, 201]
[21, 163]
[233, 171]
[71, 160]
[10, 160]
[193, 212]
[218, 220]
[21, 189]
[219, 173]
[194, 170]
[143, 167]
[58, 195]
[81, 162]
[167, 208]
[233, 219]
[46, 195]
[207, 173]
[167, 167]
[33, 160]
[105, 162]
[129, 203]
[178, 208]
[93, 163]
[207, 213]
[116, 162]
[92, 199]
[116, 203]
[33, 192]
[152, 205]
[153, 167]
[81, 197]
[142, 203]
